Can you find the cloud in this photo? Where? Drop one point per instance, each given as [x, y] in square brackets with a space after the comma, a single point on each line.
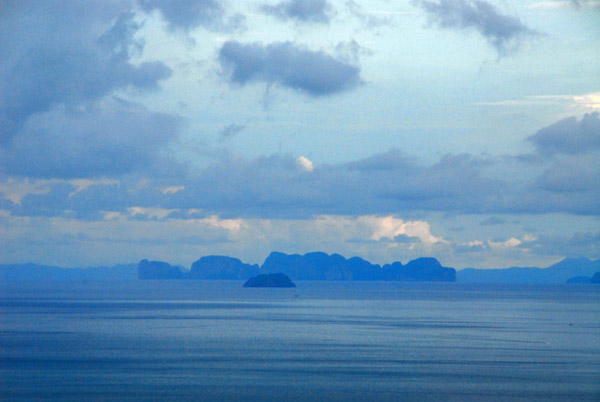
[102, 140]
[189, 14]
[589, 102]
[87, 58]
[545, 5]
[569, 136]
[305, 164]
[501, 31]
[316, 11]
[312, 72]
[275, 186]
[369, 19]
[493, 220]
[391, 227]
[579, 244]
[572, 174]
[585, 3]
[231, 130]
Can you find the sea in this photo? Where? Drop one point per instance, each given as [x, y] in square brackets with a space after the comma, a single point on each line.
[322, 341]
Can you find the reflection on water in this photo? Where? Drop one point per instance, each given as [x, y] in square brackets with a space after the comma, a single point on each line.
[212, 340]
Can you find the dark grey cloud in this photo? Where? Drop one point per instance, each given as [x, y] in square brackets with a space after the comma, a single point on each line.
[569, 136]
[62, 62]
[393, 160]
[312, 72]
[106, 139]
[501, 31]
[273, 186]
[318, 11]
[66, 52]
[189, 14]
[573, 174]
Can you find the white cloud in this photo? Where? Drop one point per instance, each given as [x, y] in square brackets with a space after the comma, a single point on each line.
[15, 190]
[172, 189]
[231, 225]
[159, 213]
[305, 164]
[581, 103]
[510, 243]
[390, 227]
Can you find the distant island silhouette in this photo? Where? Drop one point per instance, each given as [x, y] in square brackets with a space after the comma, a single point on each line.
[277, 280]
[311, 266]
[317, 266]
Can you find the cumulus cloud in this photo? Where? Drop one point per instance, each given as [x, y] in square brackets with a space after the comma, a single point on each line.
[501, 31]
[284, 63]
[317, 11]
[569, 136]
[87, 57]
[305, 164]
[392, 227]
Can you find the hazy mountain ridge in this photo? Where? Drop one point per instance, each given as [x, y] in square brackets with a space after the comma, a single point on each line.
[36, 272]
[557, 273]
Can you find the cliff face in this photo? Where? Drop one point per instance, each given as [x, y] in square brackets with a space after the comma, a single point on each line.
[316, 266]
[158, 270]
[321, 266]
[421, 269]
[221, 267]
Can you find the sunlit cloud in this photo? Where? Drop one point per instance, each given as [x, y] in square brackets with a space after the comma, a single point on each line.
[305, 164]
[583, 103]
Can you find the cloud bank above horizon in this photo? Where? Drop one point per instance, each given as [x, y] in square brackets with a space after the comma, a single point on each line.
[170, 130]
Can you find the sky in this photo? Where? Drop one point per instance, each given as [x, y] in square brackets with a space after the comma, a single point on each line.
[466, 130]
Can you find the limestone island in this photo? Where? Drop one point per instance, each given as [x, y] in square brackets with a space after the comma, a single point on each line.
[277, 280]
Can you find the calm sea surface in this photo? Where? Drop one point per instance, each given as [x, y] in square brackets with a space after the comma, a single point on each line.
[323, 341]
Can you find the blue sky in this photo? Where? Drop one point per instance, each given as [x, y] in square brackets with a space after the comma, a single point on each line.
[467, 130]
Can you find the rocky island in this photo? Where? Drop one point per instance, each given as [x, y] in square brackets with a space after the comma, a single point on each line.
[316, 266]
[277, 280]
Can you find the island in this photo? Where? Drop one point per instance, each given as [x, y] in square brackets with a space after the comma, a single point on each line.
[276, 280]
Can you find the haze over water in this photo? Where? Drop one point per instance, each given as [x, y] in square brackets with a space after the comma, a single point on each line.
[214, 340]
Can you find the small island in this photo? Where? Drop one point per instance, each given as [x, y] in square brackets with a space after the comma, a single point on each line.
[277, 280]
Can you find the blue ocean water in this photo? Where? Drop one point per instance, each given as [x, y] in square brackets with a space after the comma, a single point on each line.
[323, 341]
